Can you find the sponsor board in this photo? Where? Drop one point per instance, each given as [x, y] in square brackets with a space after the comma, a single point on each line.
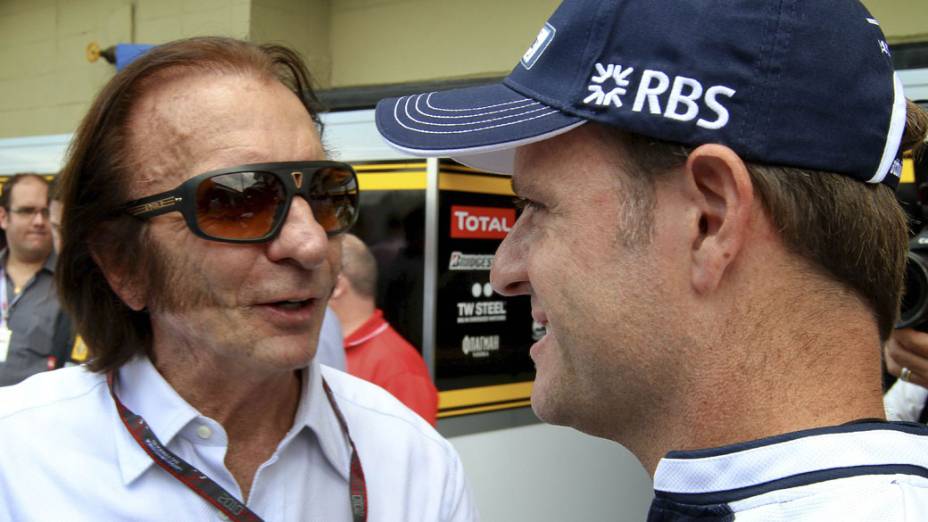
[481, 338]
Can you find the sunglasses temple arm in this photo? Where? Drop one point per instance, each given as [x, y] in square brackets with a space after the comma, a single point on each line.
[154, 205]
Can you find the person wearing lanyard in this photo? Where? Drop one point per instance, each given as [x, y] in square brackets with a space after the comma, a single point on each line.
[34, 332]
[201, 236]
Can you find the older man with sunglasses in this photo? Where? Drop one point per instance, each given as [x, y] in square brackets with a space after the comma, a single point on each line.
[201, 243]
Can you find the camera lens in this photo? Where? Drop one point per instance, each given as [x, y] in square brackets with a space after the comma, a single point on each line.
[914, 311]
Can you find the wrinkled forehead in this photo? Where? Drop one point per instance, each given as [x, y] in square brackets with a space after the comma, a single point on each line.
[184, 126]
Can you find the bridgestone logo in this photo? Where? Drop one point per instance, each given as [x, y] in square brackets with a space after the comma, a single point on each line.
[470, 262]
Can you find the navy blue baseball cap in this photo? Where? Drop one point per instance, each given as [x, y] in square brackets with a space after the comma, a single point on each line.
[800, 83]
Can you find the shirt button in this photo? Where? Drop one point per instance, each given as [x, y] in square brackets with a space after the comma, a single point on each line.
[204, 432]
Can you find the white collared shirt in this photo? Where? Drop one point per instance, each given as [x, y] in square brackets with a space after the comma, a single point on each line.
[857, 472]
[66, 455]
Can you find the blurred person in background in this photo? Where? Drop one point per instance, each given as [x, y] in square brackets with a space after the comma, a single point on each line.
[201, 237]
[330, 351]
[35, 333]
[375, 351]
[54, 212]
[906, 358]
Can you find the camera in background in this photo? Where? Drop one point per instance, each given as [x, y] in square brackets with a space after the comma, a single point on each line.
[914, 199]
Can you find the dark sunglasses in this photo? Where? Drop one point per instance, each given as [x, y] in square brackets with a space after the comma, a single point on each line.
[248, 204]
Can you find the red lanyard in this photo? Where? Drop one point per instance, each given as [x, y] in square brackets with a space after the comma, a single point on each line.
[214, 493]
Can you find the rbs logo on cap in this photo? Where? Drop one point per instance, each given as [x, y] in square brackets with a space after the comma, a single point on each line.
[678, 98]
[538, 47]
[481, 222]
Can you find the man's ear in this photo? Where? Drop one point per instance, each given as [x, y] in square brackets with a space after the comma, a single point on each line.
[123, 285]
[4, 218]
[340, 286]
[724, 196]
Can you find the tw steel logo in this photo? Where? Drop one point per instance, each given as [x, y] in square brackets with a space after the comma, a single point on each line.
[481, 222]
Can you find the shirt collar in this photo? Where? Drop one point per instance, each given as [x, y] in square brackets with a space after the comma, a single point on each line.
[374, 326]
[315, 414]
[731, 472]
[49, 265]
[144, 391]
[50, 262]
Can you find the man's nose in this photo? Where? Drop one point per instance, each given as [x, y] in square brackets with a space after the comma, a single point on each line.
[301, 237]
[509, 275]
[40, 217]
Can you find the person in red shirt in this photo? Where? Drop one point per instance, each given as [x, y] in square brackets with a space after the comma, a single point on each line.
[374, 350]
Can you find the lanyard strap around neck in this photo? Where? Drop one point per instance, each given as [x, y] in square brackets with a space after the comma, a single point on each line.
[206, 487]
[6, 306]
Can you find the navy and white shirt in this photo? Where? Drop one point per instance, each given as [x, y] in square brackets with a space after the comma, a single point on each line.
[864, 471]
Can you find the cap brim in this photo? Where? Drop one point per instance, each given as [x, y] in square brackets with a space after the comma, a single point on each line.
[478, 126]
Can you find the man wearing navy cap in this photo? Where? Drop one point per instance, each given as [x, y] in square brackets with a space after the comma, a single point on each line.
[711, 239]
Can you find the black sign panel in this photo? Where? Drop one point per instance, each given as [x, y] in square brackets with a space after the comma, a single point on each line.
[481, 338]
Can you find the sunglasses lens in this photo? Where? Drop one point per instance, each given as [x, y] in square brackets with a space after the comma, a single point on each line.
[241, 205]
[333, 197]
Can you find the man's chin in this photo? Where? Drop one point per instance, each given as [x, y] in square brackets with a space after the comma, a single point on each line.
[547, 405]
[36, 253]
[289, 352]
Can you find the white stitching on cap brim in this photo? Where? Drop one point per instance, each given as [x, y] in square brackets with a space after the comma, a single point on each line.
[486, 157]
[460, 124]
[464, 131]
[428, 102]
[531, 103]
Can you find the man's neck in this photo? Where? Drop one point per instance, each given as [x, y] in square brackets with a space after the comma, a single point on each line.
[354, 314]
[21, 270]
[790, 371]
[255, 409]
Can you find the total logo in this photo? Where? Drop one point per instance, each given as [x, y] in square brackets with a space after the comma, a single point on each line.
[684, 99]
[481, 222]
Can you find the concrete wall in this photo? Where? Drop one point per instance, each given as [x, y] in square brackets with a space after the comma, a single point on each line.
[301, 24]
[46, 83]
[547, 473]
[391, 41]
[903, 21]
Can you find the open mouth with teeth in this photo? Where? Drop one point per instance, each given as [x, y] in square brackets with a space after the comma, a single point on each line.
[538, 330]
[292, 304]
